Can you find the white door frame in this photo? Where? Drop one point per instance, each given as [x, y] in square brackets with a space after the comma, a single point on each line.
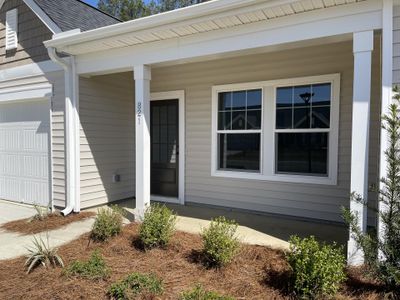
[171, 95]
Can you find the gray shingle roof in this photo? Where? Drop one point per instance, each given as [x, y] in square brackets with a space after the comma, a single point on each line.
[73, 14]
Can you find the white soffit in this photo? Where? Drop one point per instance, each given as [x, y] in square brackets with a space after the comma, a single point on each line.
[117, 36]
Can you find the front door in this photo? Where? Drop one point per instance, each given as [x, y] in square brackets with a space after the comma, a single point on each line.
[164, 148]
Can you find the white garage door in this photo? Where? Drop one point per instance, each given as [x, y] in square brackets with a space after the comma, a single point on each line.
[24, 152]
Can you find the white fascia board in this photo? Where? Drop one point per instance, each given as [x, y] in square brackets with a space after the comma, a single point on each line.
[29, 70]
[175, 17]
[298, 28]
[43, 16]
[26, 92]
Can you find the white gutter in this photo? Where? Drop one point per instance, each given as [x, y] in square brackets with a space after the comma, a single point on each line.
[71, 127]
[166, 19]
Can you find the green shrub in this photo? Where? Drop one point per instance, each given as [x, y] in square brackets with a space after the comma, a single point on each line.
[42, 254]
[94, 268]
[136, 284]
[318, 269]
[199, 293]
[158, 226]
[220, 243]
[108, 223]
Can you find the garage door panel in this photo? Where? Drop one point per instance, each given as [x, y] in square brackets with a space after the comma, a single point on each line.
[35, 167]
[24, 152]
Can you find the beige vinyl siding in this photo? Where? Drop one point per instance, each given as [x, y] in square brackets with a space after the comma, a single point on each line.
[302, 200]
[31, 34]
[57, 124]
[58, 144]
[396, 45]
[107, 138]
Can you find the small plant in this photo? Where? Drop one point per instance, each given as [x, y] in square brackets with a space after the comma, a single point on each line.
[158, 226]
[94, 268]
[107, 224]
[136, 284]
[42, 254]
[41, 213]
[220, 243]
[199, 293]
[318, 270]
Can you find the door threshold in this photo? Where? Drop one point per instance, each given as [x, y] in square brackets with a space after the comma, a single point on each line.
[165, 199]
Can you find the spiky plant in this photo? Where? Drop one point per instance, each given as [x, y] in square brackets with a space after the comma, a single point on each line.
[41, 213]
[40, 253]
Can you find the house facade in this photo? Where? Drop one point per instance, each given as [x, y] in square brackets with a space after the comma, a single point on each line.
[266, 106]
[32, 98]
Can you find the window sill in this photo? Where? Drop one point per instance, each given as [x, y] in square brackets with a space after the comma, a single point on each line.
[276, 177]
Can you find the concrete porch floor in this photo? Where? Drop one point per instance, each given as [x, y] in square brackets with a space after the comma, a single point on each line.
[260, 229]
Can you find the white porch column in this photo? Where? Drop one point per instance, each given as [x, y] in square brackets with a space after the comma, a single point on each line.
[387, 82]
[362, 49]
[142, 75]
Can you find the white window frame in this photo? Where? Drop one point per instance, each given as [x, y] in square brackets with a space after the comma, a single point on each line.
[268, 130]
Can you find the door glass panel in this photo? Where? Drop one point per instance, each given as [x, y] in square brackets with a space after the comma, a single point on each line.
[163, 115]
[172, 134]
[172, 114]
[155, 118]
[156, 153]
[163, 134]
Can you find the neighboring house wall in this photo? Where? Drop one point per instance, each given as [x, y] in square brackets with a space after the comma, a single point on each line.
[31, 34]
[303, 200]
[107, 138]
[396, 45]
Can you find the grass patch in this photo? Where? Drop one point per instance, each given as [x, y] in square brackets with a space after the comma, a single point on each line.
[199, 293]
[93, 268]
[136, 284]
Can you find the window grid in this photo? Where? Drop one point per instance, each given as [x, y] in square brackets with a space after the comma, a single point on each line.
[246, 131]
[309, 130]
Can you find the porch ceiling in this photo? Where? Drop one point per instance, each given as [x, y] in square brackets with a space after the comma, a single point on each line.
[209, 16]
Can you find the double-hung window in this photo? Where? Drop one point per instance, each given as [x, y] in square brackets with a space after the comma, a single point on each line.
[280, 130]
[239, 130]
[302, 129]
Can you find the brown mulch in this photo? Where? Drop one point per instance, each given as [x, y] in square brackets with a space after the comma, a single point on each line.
[51, 222]
[256, 273]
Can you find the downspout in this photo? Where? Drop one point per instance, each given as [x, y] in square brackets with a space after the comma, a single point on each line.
[71, 131]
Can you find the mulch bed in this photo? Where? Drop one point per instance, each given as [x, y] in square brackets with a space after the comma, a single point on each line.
[51, 222]
[257, 272]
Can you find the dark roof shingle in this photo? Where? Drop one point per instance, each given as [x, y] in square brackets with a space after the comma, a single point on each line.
[73, 14]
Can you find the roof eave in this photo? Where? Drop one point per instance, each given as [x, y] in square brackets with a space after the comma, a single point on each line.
[162, 19]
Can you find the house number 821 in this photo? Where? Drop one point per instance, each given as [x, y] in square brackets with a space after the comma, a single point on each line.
[139, 111]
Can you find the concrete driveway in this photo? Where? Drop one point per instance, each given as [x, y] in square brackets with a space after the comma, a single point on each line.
[10, 211]
[13, 244]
